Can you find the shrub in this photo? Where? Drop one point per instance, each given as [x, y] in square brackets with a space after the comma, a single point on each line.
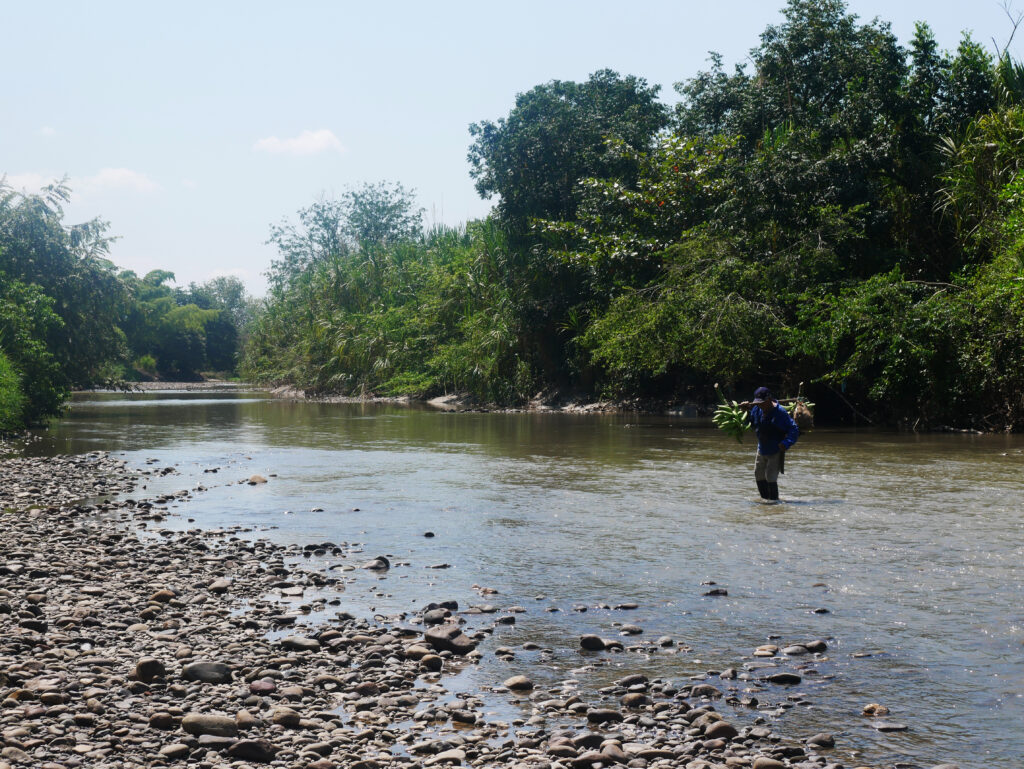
[12, 399]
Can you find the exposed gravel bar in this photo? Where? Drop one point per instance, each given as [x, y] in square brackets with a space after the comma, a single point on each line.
[124, 647]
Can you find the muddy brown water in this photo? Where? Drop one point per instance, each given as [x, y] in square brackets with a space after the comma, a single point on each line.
[912, 543]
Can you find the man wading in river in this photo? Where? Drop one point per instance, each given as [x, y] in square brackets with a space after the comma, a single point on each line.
[776, 433]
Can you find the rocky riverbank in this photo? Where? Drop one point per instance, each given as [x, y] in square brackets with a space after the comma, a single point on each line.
[206, 385]
[552, 402]
[123, 644]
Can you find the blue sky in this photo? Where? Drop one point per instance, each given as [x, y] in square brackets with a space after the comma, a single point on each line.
[192, 126]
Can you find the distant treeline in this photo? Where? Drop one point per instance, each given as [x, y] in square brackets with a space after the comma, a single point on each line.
[70, 319]
[845, 212]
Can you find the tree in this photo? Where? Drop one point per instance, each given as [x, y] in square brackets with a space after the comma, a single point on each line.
[818, 71]
[27, 322]
[363, 218]
[381, 214]
[969, 89]
[556, 135]
[68, 263]
[226, 293]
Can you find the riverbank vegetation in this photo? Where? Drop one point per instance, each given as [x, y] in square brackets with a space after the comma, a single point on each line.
[69, 319]
[844, 211]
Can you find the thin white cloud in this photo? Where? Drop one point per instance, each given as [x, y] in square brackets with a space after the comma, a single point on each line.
[306, 143]
[105, 181]
[47, 131]
[114, 180]
[189, 184]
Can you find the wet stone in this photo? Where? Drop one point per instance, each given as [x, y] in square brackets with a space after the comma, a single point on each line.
[890, 726]
[603, 715]
[785, 679]
[822, 740]
[519, 683]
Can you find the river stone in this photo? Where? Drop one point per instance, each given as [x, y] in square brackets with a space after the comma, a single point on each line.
[380, 563]
[635, 700]
[432, 662]
[796, 650]
[161, 720]
[764, 762]
[653, 754]
[603, 715]
[705, 690]
[162, 596]
[262, 686]
[175, 751]
[637, 679]
[256, 479]
[245, 720]
[148, 669]
[890, 726]
[588, 758]
[300, 643]
[449, 638]
[435, 616]
[417, 651]
[519, 683]
[286, 717]
[204, 723]
[260, 751]
[720, 730]
[614, 754]
[215, 742]
[219, 586]
[785, 679]
[454, 756]
[822, 740]
[592, 643]
[16, 755]
[207, 672]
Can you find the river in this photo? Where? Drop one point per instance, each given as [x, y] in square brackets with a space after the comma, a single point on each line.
[903, 551]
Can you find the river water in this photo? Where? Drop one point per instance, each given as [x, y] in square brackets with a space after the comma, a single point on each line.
[912, 543]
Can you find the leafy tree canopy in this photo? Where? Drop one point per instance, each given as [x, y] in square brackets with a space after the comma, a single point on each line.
[556, 135]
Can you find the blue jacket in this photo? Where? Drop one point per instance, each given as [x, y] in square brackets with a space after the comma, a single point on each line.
[773, 429]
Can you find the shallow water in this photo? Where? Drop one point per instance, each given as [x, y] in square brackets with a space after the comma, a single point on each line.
[913, 543]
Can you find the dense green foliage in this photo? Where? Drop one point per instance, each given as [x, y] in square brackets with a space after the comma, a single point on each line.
[69, 320]
[179, 333]
[848, 213]
[12, 399]
[555, 136]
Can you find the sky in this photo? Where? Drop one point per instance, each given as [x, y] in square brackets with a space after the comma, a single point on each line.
[192, 127]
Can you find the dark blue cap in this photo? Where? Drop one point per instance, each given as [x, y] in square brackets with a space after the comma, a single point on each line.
[762, 395]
